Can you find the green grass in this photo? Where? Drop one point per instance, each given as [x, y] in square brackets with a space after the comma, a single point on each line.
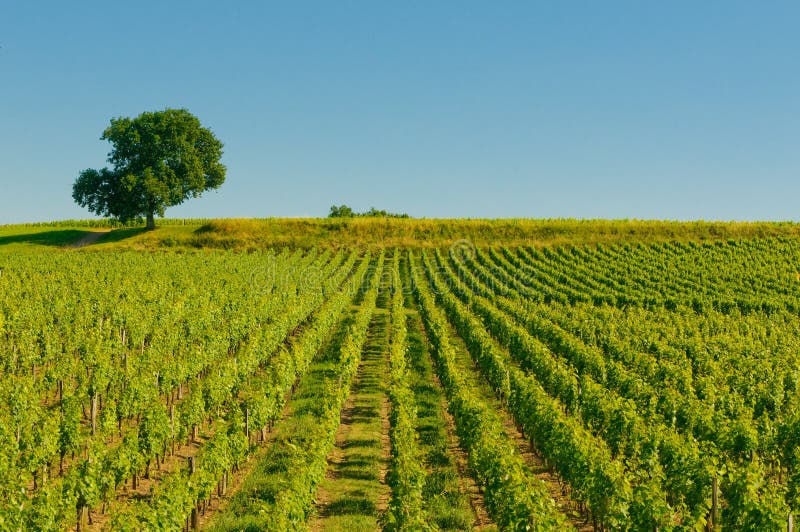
[353, 487]
[20, 237]
[16, 237]
[118, 236]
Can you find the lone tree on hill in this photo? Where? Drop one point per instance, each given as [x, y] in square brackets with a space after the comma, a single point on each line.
[159, 160]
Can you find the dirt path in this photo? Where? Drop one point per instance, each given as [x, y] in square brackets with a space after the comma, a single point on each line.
[90, 238]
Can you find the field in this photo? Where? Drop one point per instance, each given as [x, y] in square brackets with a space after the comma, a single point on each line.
[400, 374]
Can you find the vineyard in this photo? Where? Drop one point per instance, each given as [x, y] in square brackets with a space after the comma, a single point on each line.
[611, 386]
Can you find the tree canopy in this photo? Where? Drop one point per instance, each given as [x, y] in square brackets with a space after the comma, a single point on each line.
[343, 211]
[159, 159]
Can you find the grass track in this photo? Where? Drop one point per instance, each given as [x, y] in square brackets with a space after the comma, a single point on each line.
[354, 493]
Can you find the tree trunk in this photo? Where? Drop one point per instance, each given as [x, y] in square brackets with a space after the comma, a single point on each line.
[151, 222]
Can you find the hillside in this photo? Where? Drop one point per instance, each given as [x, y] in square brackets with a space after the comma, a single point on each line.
[305, 233]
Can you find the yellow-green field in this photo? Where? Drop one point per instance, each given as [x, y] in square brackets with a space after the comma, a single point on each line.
[251, 233]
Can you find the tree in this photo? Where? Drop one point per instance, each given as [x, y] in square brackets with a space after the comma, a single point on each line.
[341, 212]
[159, 159]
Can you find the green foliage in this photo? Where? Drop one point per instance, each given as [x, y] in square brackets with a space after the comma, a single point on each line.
[408, 475]
[515, 499]
[639, 373]
[686, 465]
[159, 159]
[69, 429]
[343, 211]
[279, 494]
[176, 341]
[153, 430]
[753, 502]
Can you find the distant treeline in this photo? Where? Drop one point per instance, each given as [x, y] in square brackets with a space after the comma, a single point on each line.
[343, 211]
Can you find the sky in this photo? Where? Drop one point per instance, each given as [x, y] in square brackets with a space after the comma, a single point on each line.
[560, 109]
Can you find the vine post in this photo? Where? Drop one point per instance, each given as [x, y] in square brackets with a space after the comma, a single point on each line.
[195, 516]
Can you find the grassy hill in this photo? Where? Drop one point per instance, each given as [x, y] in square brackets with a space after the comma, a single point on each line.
[251, 233]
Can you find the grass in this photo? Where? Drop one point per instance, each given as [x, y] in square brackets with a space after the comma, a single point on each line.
[251, 233]
[25, 237]
[353, 493]
[20, 237]
[118, 236]
[417, 233]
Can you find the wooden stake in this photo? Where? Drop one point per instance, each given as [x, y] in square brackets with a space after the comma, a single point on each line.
[714, 502]
[83, 517]
[94, 413]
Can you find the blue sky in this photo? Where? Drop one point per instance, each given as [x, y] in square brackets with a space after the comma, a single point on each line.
[613, 109]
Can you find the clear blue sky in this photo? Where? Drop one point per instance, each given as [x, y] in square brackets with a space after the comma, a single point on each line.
[612, 109]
